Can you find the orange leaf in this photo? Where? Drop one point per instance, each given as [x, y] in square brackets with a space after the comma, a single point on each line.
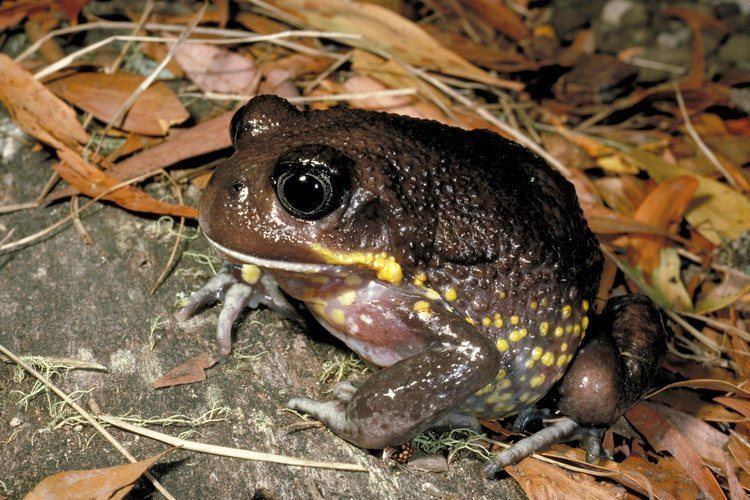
[111, 482]
[37, 110]
[649, 420]
[192, 370]
[662, 208]
[216, 69]
[740, 405]
[500, 17]
[103, 95]
[383, 30]
[542, 480]
[91, 181]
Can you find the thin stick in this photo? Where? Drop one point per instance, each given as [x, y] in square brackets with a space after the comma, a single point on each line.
[306, 99]
[173, 253]
[15, 207]
[226, 451]
[513, 132]
[117, 120]
[89, 418]
[64, 220]
[125, 48]
[65, 61]
[325, 74]
[697, 138]
[75, 217]
[120, 25]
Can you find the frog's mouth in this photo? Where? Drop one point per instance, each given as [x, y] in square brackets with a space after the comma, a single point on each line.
[295, 267]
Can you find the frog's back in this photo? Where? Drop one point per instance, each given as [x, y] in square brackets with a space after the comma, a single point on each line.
[500, 235]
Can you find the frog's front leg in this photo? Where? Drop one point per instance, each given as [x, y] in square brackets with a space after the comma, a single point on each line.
[239, 286]
[405, 398]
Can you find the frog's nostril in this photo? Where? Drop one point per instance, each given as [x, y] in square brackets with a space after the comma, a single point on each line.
[237, 187]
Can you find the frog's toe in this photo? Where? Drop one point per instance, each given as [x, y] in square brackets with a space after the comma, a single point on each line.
[562, 430]
[213, 290]
[235, 300]
[330, 413]
[343, 391]
[529, 417]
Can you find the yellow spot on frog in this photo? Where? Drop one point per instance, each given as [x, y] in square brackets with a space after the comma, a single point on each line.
[337, 316]
[538, 380]
[432, 294]
[421, 306]
[498, 320]
[347, 298]
[321, 280]
[585, 305]
[251, 273]
[501, 294]
[502, 345]
[548, 359]
[419, 279]
[568, 328]
[504, 384]
[558, 331]
[485, 390]
[386, 267]
[525, 397]
[566, 311]
[506, 396]
[533, 304]
[585, 322]
[486, 321]
[470, 321]
[536, 353]
[450, 294]
[576, 329]
[561, 360]
[515, 335]
[501, 374]
[529, 363]
[514, 320]
[544, 328]
[564, 347]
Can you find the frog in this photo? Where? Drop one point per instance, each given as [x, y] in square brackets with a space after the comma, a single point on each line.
[455, 262]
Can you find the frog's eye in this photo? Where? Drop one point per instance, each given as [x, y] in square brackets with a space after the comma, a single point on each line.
[312, 181]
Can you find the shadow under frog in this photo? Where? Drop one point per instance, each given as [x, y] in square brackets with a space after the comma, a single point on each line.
[456, 260]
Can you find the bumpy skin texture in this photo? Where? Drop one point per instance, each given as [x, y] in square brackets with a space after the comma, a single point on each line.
[458, 260]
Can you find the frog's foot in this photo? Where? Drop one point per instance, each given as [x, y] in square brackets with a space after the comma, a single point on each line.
[562, 430]
[530, 416]
[240, 287]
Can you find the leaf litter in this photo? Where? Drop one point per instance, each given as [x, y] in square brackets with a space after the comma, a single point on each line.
[658, 151]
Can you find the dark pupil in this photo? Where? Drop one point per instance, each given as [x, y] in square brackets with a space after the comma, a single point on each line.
[304, 192]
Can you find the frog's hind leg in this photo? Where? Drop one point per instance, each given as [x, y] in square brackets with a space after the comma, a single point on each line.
[239, 287]
[609, 374]
[405, 398]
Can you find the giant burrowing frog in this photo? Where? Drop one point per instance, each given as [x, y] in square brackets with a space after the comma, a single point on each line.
[456, 261]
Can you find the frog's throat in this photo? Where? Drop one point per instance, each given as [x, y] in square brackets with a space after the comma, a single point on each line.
[295, 267]
[385, 266]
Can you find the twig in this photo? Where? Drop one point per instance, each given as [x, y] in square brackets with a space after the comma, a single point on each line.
[89, 418]
[15, 207]
[306, 99]
[701, 145]
[325, 74]
[479, 110]
[64, 220]
[75, 217]
[226, 451]
[276, 37]
[238, 35]
[178, 239]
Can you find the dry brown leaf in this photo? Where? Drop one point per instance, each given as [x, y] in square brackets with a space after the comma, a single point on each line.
[37, 26]
[91, 181]
[12, 12]
[192, 370]
[216, 69]
[103, 95]
[37, 110]
[740, 405]
[704, 383]
[667, 477]
[691, 403]
[740, 451]
[542, 480]
[662, 208]
[111, 482]
[649, 420]
[384, 31]
[157, 52]
[500, 17]
[297, 65]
